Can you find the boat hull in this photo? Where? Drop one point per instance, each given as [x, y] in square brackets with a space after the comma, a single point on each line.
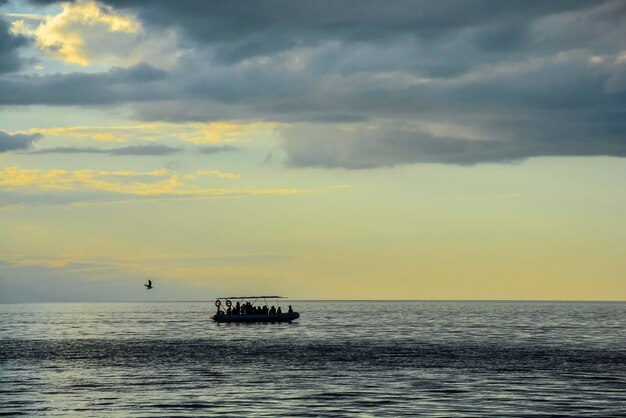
[284, 317]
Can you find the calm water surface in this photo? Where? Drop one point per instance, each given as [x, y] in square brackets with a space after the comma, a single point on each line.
[341, 358]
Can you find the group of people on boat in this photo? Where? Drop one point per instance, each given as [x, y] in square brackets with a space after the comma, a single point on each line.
[248, 308]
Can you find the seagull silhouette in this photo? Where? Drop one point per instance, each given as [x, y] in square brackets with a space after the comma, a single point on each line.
[149, 285]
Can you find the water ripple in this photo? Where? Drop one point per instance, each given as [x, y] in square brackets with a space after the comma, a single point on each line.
[372, 358]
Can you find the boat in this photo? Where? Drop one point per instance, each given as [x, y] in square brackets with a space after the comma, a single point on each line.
[244, 303]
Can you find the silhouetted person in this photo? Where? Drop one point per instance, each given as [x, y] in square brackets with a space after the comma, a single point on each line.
[229, 311]
[290, 310]
[237, 308]
[279, 311]
[149, 285]
[272, 310]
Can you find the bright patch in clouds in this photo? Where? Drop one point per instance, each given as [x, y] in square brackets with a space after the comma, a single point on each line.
[158, 183]
[197, 133]
[214, 173]
[81, 32]
[167, 182]
[15, 177]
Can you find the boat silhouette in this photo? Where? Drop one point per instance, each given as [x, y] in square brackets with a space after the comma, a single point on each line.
[246, 311]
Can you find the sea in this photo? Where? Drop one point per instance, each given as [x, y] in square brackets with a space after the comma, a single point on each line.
[341, 358]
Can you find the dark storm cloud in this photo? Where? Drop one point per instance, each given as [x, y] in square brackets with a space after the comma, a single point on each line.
[252, 25]
[118, 85]
[214, 149]
[146, 150]
[9, 44]
[242, 29]
[17, 142]
[389, 146]
[360, 82]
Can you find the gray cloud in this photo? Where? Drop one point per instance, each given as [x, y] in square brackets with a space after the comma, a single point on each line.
[146, 150]
[214, 149]
[69, 150]
[243, 29]
[17, 142]
[118, 85]
[331, 147]
[9, 44]
[516, 72]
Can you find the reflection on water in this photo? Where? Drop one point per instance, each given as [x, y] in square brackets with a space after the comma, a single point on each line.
[375, 358]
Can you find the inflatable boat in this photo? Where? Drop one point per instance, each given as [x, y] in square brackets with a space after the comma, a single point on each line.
[246, 309]
[283, 317]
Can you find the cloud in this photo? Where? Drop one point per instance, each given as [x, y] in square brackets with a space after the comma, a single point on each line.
[118, 85]
[98, 186]
[64, 35]
[238, 33]
[89, 33]
[214, 173]
[17, 142]
[266, 27]
[197, 133]
[145, 150]
[385, 146]
[359, 87]
[70, 150]
[58, 179]
[214, 149]
[10, 61]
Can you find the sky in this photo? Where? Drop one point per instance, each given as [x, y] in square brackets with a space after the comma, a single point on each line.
[319, 150]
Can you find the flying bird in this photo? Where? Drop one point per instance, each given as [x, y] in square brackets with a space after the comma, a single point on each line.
[149, 285]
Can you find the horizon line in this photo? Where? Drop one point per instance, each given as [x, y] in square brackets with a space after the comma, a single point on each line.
[339, 300]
